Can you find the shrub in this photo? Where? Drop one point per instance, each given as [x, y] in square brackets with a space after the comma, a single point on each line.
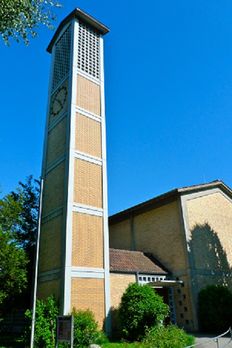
[45, 324]
[167, 337]
[215, 308]
[140, 309]
[86, 329]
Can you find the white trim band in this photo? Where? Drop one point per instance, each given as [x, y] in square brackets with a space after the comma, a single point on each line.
[55, 163]
[83, 156]
[88, 77]
[89, 114]
[85, 209]
[83, 272]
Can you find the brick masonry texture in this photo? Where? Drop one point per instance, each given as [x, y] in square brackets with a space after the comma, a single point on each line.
[160, 232]
[88, 183]
[88, 293]
[53, 196]
[154, 232]
[208, 215]
[118, 285]
[120, 235]
[56, 142]
[87, 241]
[88, 136]
[49, 288]
[50, 244]
[88, 95]
[210, 224]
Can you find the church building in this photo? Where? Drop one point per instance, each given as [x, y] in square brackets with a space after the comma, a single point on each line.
[177, 243]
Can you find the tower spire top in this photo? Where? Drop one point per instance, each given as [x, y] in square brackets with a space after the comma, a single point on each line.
[83, 16]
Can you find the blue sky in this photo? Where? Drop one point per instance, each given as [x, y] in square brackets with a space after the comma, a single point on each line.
[168, 70]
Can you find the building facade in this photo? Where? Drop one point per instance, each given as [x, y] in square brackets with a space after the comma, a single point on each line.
[189, 231]
[74, 252]
[186, 232]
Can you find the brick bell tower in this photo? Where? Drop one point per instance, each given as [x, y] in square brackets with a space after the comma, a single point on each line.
[73, 259]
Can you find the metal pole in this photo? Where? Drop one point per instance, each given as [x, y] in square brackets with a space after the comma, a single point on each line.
[36, 266]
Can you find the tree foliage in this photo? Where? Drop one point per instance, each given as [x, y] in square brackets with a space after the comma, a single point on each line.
[18, 224]
[215, 308]
[13, 260]
[45, 323]
[21, 18]
[141, 308]
[86, 330]
[168, 337]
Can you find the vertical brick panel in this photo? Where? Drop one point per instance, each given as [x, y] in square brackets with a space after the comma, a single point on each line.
[87, 241]
[88, 293]
[88, 95]
[88, 183]
[88, 136]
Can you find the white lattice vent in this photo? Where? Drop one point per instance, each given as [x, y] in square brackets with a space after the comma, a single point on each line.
[88, 51]
[62, 58]
[145, 279]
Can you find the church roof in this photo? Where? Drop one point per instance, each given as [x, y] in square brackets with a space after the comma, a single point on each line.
[84, 17]
[169, 197]
[127, 261]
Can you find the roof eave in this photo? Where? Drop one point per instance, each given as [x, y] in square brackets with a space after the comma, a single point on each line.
[168, 198]
[79, 14]
[207, 186]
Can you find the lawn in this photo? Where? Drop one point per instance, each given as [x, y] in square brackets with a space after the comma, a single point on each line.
[124, 345]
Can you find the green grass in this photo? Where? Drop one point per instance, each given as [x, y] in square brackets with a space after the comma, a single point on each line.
[124, 345]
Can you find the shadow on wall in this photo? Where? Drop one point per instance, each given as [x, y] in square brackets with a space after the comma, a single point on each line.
[208, 259]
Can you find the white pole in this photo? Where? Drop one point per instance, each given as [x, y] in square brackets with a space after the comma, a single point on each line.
[36, 267]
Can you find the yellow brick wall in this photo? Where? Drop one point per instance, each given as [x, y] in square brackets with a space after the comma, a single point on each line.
[56, 142]
[183, 304]
[50, 244]
[209, 220]
[53, 195]
[49, 288]
[88, 136]
[120, 235]
[210, 224]
[159, 232]
[118, 285]
[87, 241]
[88, 293]
[88, 95]
[88, 183]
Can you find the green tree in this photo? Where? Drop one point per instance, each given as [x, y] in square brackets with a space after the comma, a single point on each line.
[21, 18]
[45, 323]
[13, 259]
[18, 225]
[26, 230]
[167, 337]
[215, 308]
[141, 308]
[86, 329]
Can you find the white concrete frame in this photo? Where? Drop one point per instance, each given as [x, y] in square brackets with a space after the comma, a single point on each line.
[84, 272]
[105, 196]
[68, 271]
[70, 171]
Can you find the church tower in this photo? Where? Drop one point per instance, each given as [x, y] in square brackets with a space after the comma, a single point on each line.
[74, 251]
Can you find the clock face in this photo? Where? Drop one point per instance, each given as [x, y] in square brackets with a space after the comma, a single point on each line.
[59, 100]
